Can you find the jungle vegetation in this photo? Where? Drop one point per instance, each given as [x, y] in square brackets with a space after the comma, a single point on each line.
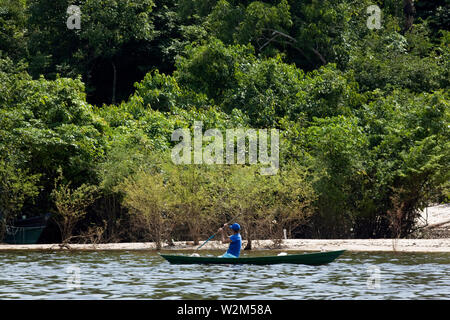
[86, 116]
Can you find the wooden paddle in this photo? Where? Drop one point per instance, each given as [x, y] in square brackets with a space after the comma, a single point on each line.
[216, 232]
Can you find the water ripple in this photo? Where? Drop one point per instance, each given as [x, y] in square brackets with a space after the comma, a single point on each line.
[145, 275]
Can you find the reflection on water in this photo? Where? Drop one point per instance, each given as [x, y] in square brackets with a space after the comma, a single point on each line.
[145, 275]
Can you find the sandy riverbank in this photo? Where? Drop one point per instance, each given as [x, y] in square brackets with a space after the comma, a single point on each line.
[386, 245]
[438, 215]
[432, 217]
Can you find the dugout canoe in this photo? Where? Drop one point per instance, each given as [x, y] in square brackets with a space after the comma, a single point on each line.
[308, 258]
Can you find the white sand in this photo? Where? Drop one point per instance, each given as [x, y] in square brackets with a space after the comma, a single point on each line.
[400, 245]
[436, 215]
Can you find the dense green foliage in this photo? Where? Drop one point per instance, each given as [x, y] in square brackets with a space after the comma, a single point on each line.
[363, 115]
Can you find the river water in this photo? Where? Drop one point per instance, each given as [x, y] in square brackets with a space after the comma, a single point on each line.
[145, 275]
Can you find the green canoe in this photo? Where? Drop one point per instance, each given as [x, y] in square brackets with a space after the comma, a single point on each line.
[308, 258]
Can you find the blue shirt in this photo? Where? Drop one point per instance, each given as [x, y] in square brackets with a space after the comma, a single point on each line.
[235, 245]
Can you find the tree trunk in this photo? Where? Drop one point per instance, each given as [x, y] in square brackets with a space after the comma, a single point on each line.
[249, 244]
[409, 10]
[113, 99]
[249, 236]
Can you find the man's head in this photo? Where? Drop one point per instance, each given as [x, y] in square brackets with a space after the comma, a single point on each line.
[235, 227]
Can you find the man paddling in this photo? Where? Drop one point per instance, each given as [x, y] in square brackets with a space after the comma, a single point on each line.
[234, 240]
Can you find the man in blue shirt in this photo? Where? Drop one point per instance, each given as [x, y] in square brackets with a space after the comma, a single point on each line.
[234, 240]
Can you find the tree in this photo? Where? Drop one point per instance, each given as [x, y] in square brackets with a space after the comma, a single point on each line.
[408, 152]
[45, 125]
[108, 25]
[71, 205]
[409, 11]
[294, 198]
[337, 145]
[147, 197]
[192, 196]
[210, 68]
[107, 28]
[265, 90]
[13, 29]
[17, 187]
[391, 60]
[260, 17]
